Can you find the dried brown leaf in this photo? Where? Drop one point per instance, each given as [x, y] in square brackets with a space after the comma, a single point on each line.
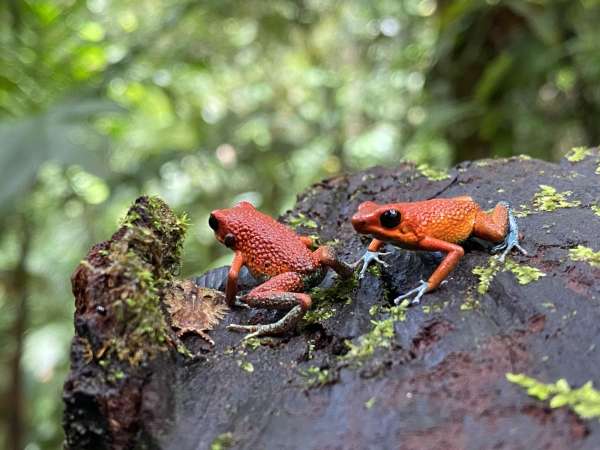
[195, 309]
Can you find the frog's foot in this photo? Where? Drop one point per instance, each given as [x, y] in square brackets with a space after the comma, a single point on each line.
[419, 290]
[239, 303]
[511, 240]
[281, 326]
[367, 259]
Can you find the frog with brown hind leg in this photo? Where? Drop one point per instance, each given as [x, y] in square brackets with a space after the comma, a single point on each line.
[271, 250]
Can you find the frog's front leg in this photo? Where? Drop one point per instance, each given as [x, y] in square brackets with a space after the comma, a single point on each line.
[372, 254]
[280, 292]
[453, 255]
[232, 279]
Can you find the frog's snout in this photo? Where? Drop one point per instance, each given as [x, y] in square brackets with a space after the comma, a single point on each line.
[359, 222]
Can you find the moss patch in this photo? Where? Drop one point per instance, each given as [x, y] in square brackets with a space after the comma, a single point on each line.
[486, 275]
[433, 174]
[316, 376]
[246, 366]
[222, 441]
[139, 262]
[301, 220]
[325, 301]
[470, 303]
[525, 274]
[596, 209]
[577, 154]
[584, 401]
[548, 199]
[380, 336]
[582, 253]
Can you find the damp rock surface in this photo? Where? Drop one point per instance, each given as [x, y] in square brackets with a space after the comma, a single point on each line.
[360, 374]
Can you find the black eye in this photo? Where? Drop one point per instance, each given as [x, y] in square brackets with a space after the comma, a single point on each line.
[229, 240]
[390, 218]
[213, 222]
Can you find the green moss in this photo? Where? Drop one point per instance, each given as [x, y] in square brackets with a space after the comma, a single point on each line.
[523, 211]
[525, 274]
[582, 253]
[222, 441]
[433, 174]
[584, 401]
[319, 314]
[252, 343]
[598, 169]
[596, 209]
[469, 304]
[375, 270]
[246, 366]
[548, 199]
[140, 261]
[325, 301]
[380, 336]
[370, 403]
[577, 154]
[301, 220]
[486, 275]
[434, 308]
[315, 376]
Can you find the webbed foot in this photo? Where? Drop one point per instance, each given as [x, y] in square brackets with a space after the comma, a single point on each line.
[419, 290]
[511, 240]
[367, 259]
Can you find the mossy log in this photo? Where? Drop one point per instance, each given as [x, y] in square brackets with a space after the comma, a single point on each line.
[358, 372]
[121, 326]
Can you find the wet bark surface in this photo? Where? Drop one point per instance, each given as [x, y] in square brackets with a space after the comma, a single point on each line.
[439, 379]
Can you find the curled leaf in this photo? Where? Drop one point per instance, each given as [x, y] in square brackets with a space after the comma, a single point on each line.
[195, 309]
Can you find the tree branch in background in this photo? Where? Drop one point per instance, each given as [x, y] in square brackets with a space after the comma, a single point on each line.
[15, 15]
[20, 291]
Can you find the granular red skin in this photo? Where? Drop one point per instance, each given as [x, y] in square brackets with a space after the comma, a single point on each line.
[268, 247]
[433, 225]
[452, 220]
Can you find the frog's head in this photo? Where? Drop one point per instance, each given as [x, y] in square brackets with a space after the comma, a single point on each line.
[380, 221]
[229, 224]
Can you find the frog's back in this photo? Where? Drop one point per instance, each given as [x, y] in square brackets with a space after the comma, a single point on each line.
[269, 247]
[447, 219]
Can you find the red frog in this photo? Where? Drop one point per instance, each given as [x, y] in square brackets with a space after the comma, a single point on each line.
[271, 251]
[437, 225]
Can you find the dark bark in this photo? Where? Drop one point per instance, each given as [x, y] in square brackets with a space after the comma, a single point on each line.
[439, 382]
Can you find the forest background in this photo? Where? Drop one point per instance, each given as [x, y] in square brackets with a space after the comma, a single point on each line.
[206, 103]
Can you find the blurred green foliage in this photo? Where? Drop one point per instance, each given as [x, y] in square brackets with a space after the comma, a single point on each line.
[207, 103]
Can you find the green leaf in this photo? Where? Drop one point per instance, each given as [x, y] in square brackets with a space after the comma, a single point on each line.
[62, 134]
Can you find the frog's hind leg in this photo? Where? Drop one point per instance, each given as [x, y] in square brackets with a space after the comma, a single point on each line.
[499, 226]
[280, 292]
[492, 226]
[326, 256]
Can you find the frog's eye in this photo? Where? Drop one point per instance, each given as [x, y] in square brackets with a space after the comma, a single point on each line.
[229, 240]
[390, 218]
[213, 222]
